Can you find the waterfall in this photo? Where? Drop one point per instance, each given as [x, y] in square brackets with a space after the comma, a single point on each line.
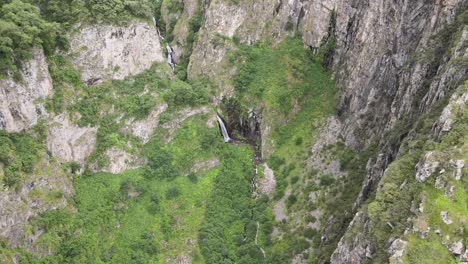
[170, 52]
[223, 130]
[157, 28]
[170, 60]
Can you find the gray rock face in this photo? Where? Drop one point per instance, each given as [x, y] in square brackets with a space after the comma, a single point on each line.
[458, 166]
[374, 66]
[445, 217]
[143, 129]
[120, 160]
[35, 196]
[267, 182]
[396, 251]
[113, 52]
[374, 61]
[22, 102]
[69, 142]
[457, 102]
[426, 167]
[355, 249]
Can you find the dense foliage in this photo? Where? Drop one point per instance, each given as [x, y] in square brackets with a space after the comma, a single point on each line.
[25, 24]
[19, 153]
[21, 28]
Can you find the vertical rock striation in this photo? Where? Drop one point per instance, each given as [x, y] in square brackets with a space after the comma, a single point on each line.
[22, 102]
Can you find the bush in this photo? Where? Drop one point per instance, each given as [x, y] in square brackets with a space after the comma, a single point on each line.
[193, 178]
[298, 141]
[292, 199]
[74, 167]
[310, 233]
[22, 28]
[326, 180]
[294, 179]
[172, 193]
[19, 153]
[160, 165]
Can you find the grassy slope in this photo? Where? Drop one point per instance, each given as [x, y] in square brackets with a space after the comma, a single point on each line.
[297, 95]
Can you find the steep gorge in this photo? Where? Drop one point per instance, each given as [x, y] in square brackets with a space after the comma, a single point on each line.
[363, 124]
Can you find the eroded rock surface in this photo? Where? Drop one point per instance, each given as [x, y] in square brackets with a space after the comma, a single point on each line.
[47, 189]
[69, 142]
[22, 101]
[115, 52]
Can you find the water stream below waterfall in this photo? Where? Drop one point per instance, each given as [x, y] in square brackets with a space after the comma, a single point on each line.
[256, 161]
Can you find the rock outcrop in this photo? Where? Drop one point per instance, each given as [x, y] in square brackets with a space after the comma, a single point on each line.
[69, 142]
[48, 188]
[120, 160]
[22, 101]
[114, 52]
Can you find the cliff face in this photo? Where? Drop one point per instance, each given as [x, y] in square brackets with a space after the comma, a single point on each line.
[393, 61]
[22, 102]
[112, 52]
[101, 52]
[383, 63]
[382, 52]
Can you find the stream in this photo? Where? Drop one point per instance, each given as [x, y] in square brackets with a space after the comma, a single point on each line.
[170, 51]
[256, 161]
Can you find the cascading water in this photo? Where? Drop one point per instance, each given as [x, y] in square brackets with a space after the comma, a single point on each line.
[223, 130]
[157, 28]
[170, 52]
[170, 59]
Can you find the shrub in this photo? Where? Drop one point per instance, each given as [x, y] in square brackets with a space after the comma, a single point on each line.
[172, 193]
[326, 180]
[294, 179]
[193, 178]
[298, 141]
[310, 233]
[292, 199]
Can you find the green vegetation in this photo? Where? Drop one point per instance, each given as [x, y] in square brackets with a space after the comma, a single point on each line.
[109, 105]
[399, 190]
[19, 153]
[298, 95]
[133, 218]
[194, 25]
[25, 24]
[22, 28]
[67, 83]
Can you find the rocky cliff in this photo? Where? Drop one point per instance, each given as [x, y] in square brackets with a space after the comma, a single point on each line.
[100, 52]
[393, 62]
[400, 67]
[112, 52]
[22, 101]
